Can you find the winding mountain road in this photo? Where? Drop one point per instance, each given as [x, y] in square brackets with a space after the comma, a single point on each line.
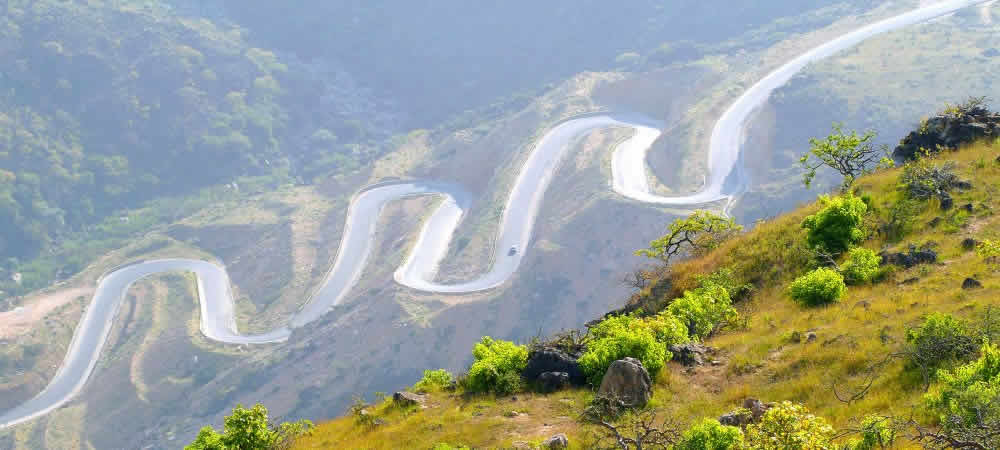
[725, 179]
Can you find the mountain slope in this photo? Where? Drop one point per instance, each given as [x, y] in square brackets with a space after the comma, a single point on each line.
[765, 355]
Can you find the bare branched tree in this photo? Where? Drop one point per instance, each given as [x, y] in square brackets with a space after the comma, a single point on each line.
[619, 428]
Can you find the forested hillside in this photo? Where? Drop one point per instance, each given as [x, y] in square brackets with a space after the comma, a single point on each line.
[106, 104]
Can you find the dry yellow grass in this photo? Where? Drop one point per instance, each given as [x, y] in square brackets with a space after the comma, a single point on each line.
[758, 360]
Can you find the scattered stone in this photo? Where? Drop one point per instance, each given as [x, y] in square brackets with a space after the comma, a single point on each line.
[969, 244]
[811, 336]
[739, 418]
[757, 408]
[558, 441]
[751, 412]
[628, 382]
[716, 362]
[946, 201]
[551, 359]
[913, 258]
[971, 283]
[690, 354]
[935, 222]
[553, 381]
[968, 207]
[406, 399]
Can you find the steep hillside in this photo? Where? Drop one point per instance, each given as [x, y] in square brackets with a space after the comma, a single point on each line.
[862, 345]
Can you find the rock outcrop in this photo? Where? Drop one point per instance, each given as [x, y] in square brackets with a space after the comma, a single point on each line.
[628, 382]
[960, 125]
[913, 258]
[405, 399]
[691, 354]
[553, 381]
[551, 359]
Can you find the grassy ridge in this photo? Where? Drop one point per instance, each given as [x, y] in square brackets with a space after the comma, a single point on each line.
[757, 358]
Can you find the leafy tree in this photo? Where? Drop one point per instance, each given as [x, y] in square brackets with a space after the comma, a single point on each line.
[940, 339]
[703, 310]
[862, 266]
[497, 367]
[709, 434]
[850, 154]
[249, 429]
[838, 225]
[789, 426]
[819, 287]
[877, 433]
[969, 396]
[701, 231]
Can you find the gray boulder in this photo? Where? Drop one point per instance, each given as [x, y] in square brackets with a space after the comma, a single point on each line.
[690, 354]
[404, 398]
[551, 359]
[553, 381]
[946, 201]
[971, 283]
[969, 244]
[558, 441]
[627, 381]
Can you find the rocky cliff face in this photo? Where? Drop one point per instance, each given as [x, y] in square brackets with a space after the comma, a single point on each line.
[956, 126]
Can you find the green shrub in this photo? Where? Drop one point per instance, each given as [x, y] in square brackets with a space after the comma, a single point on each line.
[970, 394]
[667, 329]
[434, 380]
[838, 225]
[250, 429]
[818, 287]
[990, 252]
[618, 337]
[726, 278]
[940, 339]
[709, 434]
[876, 433]
[703, 310]
[788, 426]
[497, 367]
[862, 266]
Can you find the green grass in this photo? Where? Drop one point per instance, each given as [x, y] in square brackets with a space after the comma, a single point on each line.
[757, 359]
